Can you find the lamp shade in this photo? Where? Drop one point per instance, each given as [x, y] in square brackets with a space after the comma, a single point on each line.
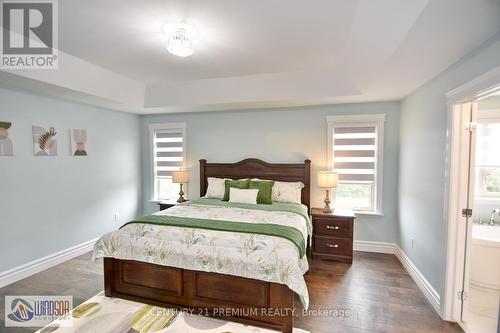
[181, 176]
[328, 179]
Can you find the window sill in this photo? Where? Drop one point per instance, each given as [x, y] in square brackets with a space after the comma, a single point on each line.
[363, 213]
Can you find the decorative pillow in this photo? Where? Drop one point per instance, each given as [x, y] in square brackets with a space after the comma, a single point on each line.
[215, 187]
[287, 191]
[265, 188]
[240, 183]
[248, 196]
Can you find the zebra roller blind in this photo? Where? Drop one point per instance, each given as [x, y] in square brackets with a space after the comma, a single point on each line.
[355, 153]
[168, 153]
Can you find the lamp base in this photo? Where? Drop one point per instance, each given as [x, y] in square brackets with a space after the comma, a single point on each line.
[327, 208]
[181, 196]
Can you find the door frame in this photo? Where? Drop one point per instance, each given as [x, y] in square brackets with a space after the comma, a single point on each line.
[456, 170]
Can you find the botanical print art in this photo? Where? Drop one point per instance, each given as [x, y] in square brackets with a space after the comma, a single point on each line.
[79, 142]
[44, 141]
[6, 145]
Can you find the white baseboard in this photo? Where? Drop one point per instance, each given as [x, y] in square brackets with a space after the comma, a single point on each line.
[380, 247]
[430, 293]
[33, 267]
[38, 265]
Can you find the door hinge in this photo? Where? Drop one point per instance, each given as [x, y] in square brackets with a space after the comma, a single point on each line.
[462, 295]
[470, 126]
[467, 212]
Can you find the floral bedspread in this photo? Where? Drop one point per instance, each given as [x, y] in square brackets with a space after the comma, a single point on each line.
[261, 257]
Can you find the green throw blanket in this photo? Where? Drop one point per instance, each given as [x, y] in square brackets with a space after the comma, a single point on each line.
[292, 234]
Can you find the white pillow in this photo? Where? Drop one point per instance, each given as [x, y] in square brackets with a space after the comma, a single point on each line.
[243, 195]
[216, 187]
[287, 192]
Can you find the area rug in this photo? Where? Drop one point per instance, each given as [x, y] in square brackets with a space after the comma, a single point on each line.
[114, 315]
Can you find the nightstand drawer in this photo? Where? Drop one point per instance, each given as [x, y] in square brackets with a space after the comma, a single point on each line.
[333, 246]
[333, 227]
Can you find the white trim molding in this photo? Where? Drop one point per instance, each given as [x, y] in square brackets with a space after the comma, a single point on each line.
[41, 264]
[455, 172]
[476, 88]
[391, 248]
[376, 247]
[429, 292]
[36, 266]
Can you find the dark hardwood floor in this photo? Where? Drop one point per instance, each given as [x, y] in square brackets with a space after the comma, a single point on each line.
[376, 290]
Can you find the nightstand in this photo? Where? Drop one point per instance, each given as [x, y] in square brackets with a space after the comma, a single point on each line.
[168, 204]
[332, 234]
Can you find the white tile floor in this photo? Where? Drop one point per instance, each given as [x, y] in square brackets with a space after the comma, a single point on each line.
[482, 315]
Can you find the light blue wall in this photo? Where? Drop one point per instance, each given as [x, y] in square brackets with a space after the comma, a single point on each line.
[281, 135]
[422, 162]
[48, 204]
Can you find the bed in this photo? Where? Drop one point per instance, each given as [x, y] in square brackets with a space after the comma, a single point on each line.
[240, 281]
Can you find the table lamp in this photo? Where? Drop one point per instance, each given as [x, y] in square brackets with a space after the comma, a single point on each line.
[327, 180]
[180, 177]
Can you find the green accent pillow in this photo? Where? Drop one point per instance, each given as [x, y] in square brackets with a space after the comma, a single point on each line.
[265, 188]
[240, 183]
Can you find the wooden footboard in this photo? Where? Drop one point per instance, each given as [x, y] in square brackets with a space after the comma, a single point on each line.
[249, 301]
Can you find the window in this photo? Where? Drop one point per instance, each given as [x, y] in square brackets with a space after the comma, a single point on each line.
[168, 151]
[355, 151]
[488, 159]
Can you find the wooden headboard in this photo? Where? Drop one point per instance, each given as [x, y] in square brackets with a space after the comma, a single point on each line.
[255, 168]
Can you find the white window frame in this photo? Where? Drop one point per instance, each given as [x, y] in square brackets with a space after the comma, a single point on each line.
[481, 193]
[158, 127]
[485, 116]
[377, 120]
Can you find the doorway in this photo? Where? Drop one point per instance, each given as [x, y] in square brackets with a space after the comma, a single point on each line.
[481, 309]
[473, 258]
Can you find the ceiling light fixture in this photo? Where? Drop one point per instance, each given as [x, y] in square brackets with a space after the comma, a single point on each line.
[180, 38]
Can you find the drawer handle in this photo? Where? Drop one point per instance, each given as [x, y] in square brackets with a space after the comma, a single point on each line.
[332, 227]
[332, 245]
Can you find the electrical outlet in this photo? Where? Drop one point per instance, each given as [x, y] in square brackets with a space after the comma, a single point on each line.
[116, 217]
[412, 242]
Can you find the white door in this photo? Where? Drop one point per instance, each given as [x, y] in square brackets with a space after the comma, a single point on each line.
[469, 116]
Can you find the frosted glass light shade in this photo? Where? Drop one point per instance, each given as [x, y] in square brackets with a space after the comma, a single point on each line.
[328, 179]
[181, 37]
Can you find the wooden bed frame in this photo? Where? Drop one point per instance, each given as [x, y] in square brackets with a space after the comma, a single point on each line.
[230, 297]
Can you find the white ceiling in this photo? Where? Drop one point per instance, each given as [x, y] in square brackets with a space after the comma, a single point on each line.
[263, 53]
[236, 37]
